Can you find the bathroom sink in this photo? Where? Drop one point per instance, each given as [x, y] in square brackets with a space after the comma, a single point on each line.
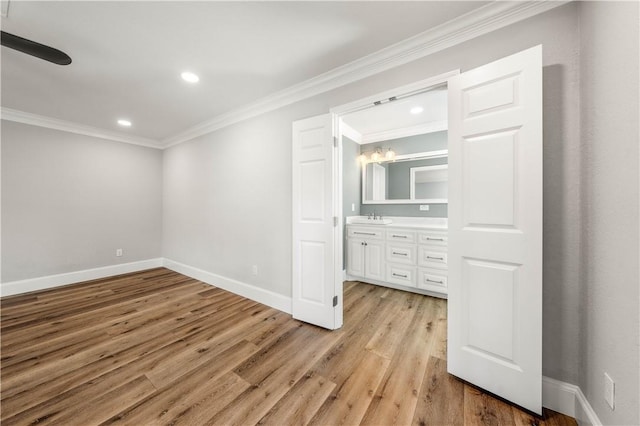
[367, 221]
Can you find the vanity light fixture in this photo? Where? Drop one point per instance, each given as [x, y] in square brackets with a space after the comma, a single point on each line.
[124, 123]
[190, 77]
[416, 110]
[377, 156]
[390, 155]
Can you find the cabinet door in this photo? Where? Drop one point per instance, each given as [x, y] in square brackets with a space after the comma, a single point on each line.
[355, 257]
[374, 260]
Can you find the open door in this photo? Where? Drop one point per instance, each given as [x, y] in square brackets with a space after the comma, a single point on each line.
[495, 228]
[314, 293]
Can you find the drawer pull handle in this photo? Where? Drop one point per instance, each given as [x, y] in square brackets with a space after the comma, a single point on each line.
[399, 254]
[435, 239]
[434, 281]
[399, 236]
[364, 233]
[399, 275]
[436, 258]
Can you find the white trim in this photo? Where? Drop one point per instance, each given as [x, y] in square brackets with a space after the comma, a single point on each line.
[401, 91]
[260, 295]
[585, 415]
[80, 129]
[50, 281]
[568, 399]
[421, 129]
[483, 20]
[350, 132]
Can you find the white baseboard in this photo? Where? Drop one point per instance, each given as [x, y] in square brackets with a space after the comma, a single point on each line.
[41, 283]
[568, 399]
[266, 297]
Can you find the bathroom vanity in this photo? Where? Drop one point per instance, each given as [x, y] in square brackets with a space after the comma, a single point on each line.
[399, 252]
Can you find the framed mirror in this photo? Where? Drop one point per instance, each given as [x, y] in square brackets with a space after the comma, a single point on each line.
[419, 178]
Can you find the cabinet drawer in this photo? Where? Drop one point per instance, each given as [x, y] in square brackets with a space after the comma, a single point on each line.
[431, 258]
[401, 253]
[400, 274]
[433, 238]
[366, 233]
[431, 279]
[401, 236]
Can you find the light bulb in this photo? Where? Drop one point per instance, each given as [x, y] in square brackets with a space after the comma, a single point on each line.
[190, 77]
[390, 155]
[362, 158]
[375, 156]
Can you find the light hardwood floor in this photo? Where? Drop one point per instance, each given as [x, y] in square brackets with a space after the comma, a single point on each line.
[156, 347]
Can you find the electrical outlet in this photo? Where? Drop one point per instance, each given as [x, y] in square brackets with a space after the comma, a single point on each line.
[609, 391]
[254, 269]
[118, 252]
[424, 207]
[353, 207]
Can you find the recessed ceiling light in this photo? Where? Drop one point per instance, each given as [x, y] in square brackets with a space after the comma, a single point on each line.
[416, 110]
[124, 123]
[190, 77]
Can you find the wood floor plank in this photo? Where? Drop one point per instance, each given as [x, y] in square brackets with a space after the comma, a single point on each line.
[156, 347]
[385, 341]
[397, 396]
[273, 375]
[348, 404]
[441, 397]
[62, 338]
[188, 329]
[174, 401]
[85, 413]
[299, 405]
[483, 409]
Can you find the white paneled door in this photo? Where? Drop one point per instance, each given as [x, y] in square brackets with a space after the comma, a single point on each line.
[314, 226]
[495, 228]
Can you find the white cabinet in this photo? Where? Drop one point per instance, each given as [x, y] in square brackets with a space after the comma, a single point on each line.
[365, 253]
[405, 257]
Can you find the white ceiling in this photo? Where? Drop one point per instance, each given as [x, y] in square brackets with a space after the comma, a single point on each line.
[127, 56]
[394, 119]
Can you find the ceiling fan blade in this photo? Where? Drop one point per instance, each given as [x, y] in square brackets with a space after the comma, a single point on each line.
[35, 49]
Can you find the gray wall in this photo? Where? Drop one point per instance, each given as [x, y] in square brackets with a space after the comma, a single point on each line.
[610, 291]
[69, 201]
[351, 184]
[227, 202]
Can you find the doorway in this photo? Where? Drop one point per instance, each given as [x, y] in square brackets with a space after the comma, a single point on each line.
[385, 141]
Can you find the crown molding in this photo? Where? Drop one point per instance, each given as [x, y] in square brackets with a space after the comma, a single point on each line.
[478, 22]
[81, 129]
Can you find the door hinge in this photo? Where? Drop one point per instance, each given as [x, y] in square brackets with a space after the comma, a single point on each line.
[335, 301]
[335, 141]
[335, 221]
